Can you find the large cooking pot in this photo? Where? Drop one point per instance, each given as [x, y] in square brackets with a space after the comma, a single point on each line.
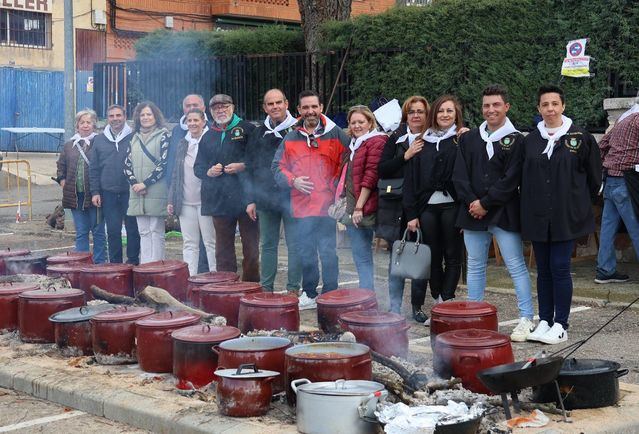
[224, 299]
[212, 277]
[153, 339]
[8, 253]
[333, 303]
[266, 352]
[115, 278]
[194, 361]
[35, 307]
[113, 334]
[269, 311]
[33, 263]
[463, 353]
[9, 293]
[69, 270]
[170, 274]
[337, 407]
[327, 361]
[72, 329]
[72, 256]
[384, 332]
[458, 315]
[245, 391]
[584, 383]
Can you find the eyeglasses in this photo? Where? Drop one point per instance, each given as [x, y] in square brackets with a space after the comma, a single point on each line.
[416, 112]
[311, 141]
[220, 107]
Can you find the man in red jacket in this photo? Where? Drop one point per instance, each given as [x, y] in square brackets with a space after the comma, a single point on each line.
[308, 161]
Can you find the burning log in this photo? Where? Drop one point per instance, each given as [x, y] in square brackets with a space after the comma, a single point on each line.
[413, 381]
[158, 299]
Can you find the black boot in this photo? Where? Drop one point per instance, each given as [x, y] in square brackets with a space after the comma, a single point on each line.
[419, 315]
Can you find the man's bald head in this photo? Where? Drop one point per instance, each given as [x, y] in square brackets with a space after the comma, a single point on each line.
[193, 101]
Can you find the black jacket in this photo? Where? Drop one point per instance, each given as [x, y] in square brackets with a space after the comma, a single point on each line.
[223, 195]
[261, 187]
[557, 194]
[494, 182]
[106, 172]
[427, 172]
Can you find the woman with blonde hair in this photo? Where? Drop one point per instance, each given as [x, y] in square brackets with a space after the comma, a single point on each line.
[73, 176]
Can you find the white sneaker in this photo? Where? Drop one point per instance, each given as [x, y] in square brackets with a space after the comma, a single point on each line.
[523, 329]
[541, 330]
[555, 335]
[305, 302]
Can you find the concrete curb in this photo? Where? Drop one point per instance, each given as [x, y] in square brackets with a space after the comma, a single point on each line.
[156, 414]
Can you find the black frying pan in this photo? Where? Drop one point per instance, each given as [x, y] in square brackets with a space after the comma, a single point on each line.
[513, 376]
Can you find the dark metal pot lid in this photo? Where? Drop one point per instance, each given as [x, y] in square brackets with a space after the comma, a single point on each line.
[245, 372]
[123, 313]
[82, 313]
[12, 288]
[51, 293]
[169, 319]
[573, 367]
[346, 297]
[205, 334]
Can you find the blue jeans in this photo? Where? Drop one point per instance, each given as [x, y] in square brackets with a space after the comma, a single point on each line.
[85, 221]
[317, 236]
[511, 248]
[114, 208]
[361, 241]
[554, 283]
[617, 207]
[270, 223]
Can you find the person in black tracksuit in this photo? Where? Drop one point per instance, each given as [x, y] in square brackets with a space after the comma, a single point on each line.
[560, 179]
[400, 148]
[430, 196]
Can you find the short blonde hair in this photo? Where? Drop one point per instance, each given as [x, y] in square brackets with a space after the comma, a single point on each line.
[86, 112]
[364, 111]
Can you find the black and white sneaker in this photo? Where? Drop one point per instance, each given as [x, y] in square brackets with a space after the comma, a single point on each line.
[611, 278]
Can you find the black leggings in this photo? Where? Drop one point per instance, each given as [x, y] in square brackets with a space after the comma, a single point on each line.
[437, 223]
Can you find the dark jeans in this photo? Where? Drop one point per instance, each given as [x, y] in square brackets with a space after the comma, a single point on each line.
[396, 291]
[437, 224]
[317, 236]
[114, 208]
[554, 283]
[225, 246]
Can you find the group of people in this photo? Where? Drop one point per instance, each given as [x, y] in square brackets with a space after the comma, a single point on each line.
[458, 187]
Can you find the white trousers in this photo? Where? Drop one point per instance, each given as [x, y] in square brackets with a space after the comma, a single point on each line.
[151, 238]
[192, 224]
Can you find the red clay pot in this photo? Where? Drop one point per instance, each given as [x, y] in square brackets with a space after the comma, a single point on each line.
[35, 308]
[266, 352]
[459, 315]
[153, 339]
[72, 256]
[245, 391]
[463, 353]
[69, 270]
[194, 361]
[9, 293]
[170, 274]
[331, 304]
[269, 311]
[115, 278]
[327, 361]
[33, 263]
[113, 334]
[8, 253]
[199, 280]
[72, 328]
[224, 299]
[384, 332]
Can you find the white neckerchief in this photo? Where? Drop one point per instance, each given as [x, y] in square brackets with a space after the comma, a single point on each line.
[287, 123]
[183, 122]
[565, 126]
[436, 136]
[126, 130]
[356, 143]
[503, 131]
[408, 136]
[194, 142]
[76, 142]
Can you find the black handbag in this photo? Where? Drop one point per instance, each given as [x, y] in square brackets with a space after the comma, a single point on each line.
[410, 260]
[390, 189]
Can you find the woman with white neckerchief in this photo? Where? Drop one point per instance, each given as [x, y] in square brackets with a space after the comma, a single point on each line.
[430, 197]
[400, 149]
[73, 176]
[185, 199]
[561, 177]
[358, 184]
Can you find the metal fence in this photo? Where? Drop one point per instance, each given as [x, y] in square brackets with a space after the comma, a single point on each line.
[244, 77]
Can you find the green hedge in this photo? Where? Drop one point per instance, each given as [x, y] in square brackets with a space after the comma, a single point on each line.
[163, 44]
[459, 46]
